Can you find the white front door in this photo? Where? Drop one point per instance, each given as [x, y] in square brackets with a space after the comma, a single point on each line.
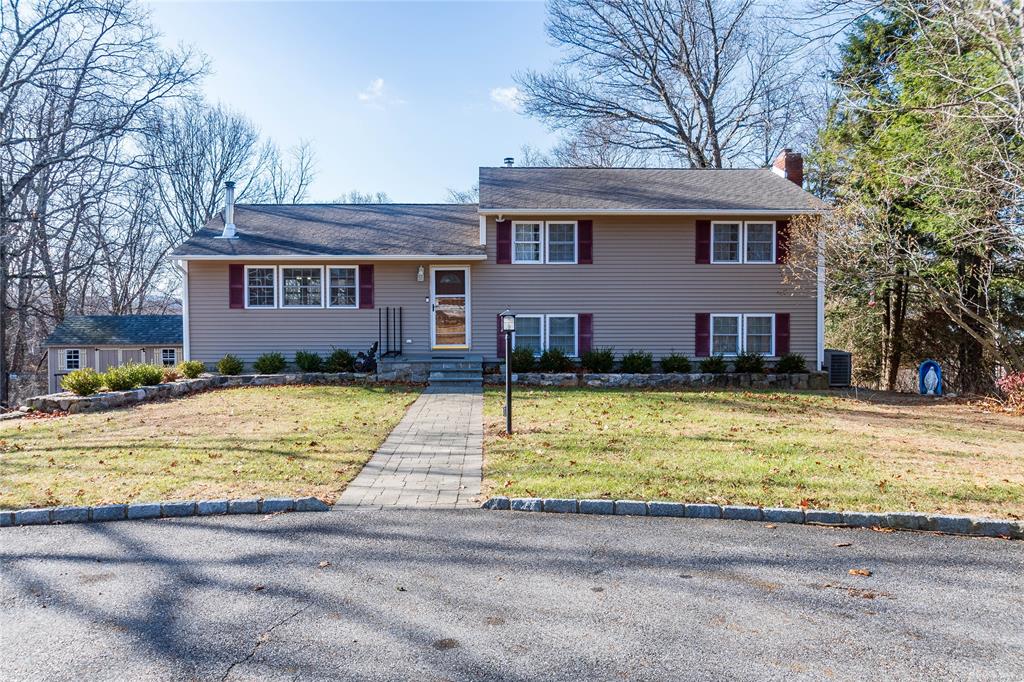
[449, 307]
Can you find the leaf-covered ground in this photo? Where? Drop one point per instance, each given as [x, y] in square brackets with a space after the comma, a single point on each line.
[259, 441]
[763, 448]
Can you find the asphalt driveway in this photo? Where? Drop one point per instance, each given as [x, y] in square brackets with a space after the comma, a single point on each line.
[471, 595]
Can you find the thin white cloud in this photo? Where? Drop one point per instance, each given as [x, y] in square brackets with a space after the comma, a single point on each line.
[374, 93]
[508, 98]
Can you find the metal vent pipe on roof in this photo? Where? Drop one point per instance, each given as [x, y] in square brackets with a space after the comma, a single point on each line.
[229, 210]
[509, 161]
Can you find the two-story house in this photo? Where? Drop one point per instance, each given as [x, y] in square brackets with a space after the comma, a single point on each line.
[656, 259]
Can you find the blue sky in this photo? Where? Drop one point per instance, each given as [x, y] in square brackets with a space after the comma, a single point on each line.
[408, 98]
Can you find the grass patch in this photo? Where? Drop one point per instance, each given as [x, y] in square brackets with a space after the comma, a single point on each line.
[756, 447]
[242, 442]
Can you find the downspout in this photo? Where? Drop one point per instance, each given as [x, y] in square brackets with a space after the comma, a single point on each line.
[821, 300]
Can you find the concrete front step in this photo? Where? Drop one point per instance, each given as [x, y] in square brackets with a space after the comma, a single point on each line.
[436, 377]
[455, 365]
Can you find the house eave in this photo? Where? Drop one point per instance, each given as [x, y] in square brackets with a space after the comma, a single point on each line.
[652, 211]
[326, 256]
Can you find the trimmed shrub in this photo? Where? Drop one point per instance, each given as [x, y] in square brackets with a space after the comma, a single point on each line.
[146, 375]
[713, 365]
[599, 360]
[554, 360]
[340, 360]
[309, 362]
[122, 378]
[230, 364]
[171, 374]
[791, 363]
[270, 363]
[190, 369]
[749, 363]
[522, 360]
[84, 381]
[637, 362]
[675, 363]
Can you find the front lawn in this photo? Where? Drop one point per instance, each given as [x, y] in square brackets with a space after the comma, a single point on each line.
[244, 442]
[761, 448]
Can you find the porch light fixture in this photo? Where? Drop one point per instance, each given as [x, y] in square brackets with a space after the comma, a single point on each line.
[420, 274]
[508, 326]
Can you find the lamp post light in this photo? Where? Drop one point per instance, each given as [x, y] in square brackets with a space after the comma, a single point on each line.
[508, 325]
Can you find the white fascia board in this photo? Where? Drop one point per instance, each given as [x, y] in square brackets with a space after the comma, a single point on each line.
[327, 256]
[702, 212]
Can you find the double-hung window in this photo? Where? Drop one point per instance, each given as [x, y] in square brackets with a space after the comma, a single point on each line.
[529, 333]
[169, 357]
[260, 288]
[302, 287]
[539, 333]
[527, 244]
[750, 333]
[72, 359]
[561, 240]
[736, 242]
[342, 283]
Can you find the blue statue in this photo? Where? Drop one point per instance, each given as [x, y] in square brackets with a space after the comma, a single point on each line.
[929, 378]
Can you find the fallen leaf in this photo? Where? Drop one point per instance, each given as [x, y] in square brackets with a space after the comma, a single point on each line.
[860, 571]
[323, 564]
[400, 588]
[770, 525]
[259, 588]
[844, 544]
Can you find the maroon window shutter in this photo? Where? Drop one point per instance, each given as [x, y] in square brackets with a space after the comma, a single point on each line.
[501, 339]
[585, 229]
[365, 286]
[781, 333]
[504, 242]
[702, 335]
[236, 285]
[586, 332]
[702, 254]
[781, 241]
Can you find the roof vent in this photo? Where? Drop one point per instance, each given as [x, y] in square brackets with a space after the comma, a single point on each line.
[509, 162]
[229, 211]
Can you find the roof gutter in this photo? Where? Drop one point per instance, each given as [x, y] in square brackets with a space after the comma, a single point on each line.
[326, 256]
[651, 211]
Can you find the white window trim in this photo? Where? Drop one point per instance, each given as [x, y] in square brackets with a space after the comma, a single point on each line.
[174, 351]
[542, 327]
[575, 242]
[739, 334]
[280, 286]
[746, 226]
[326, 294]
[742, 253]
[545, 332]
[741, 326]
[64, 358]
[743, 341]
[540, 251]
[246, 283]
[739, 242]
[575, 331]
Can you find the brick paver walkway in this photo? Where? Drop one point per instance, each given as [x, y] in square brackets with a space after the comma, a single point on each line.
[433, 458]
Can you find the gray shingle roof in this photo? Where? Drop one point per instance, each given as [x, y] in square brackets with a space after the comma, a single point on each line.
[342, 230]
[117, 330]
[680, 189]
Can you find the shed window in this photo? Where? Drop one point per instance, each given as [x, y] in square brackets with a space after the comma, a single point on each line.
[259, 287]
[169, 357]
[342, 288]
[72, 358]
[301, 287]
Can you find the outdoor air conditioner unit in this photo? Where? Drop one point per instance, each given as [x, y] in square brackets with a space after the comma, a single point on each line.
[839, 365]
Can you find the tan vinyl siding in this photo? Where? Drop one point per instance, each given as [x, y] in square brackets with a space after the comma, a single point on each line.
[643, 290]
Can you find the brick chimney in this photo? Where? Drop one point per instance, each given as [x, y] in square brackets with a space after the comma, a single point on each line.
[790, 165]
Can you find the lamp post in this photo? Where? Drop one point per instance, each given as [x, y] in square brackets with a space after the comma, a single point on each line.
[508, 325]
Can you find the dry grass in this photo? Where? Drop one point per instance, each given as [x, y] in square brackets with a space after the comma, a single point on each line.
[766, 448]
[288, 440]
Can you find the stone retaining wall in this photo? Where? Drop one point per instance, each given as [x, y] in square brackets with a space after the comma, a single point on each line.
[69, 402]
[802, 381]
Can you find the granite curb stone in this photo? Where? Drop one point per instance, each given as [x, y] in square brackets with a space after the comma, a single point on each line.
[249, 505]
[630, 508]
[211, 507]
[32, 517]
[526, 504]
[110, 512]
[70, 515]
[175, 509]
[864, 519]
[606, 507]
[666, 509]
[906, 520]
[823, 516]
[560, 506]
[145, 510]
[703, 511]
[6, 519]
[272, 505]
[782, 515]
[735, 512]
[499, 502]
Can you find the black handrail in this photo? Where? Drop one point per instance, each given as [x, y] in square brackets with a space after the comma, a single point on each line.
[390, 330]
